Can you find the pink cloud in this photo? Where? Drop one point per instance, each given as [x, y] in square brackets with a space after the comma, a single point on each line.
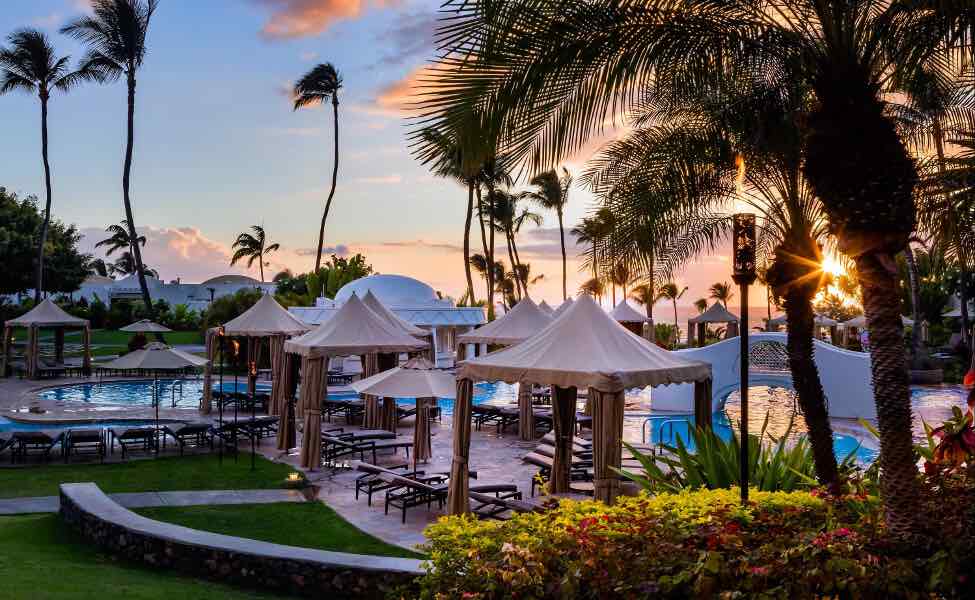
[300, 18]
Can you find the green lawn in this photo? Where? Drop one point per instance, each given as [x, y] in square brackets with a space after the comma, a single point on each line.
[200, 472]
[41, 558]
[121, 338]
[310, 525]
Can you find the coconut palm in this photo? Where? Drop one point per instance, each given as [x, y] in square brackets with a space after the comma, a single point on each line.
[552, 193]
[125, 265]
[509, 219]
[645, 295]
[253, 247]
[115, 34]
[722, 292]
[119, 238]
[320, 85]
[670, 291]
[594, 287]
[701, 304]
[32, 65]
[552, 78]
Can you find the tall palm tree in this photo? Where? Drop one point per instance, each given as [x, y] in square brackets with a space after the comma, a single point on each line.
[551, 78]
[722, 292]
[253, 247]
[552, 193]
[670, 291]
[319, 85]
[645, 295]
[594, 287]
[125, 265]
[115, 34]
[31, 65]
[119, 238]
[701, 304]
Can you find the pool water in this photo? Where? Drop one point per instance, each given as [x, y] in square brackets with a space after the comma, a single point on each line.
[6, 425]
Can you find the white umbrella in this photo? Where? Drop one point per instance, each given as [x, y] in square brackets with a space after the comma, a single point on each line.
[417, 378]
[145, 326]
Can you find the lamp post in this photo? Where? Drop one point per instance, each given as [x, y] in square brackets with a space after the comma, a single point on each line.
[220, 339]
[252, 376]
[743, 238]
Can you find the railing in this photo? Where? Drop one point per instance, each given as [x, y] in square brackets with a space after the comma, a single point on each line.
[662, 427]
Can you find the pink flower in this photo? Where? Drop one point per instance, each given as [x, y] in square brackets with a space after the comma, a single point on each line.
[759, 571]
[842, 532]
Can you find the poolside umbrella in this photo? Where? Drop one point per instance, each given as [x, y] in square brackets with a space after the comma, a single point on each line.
[155, 357]
[419, 379]
[145, 326]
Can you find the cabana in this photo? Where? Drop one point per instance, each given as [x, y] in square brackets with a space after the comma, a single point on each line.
[418, 379]
[354, 329]
[46, 315]
[860, 322]
[265, 319]
[584, 350]
[717, 313]
[546, 308]
[383, 311]
[563, 307]
[629, 317]
[517, 325]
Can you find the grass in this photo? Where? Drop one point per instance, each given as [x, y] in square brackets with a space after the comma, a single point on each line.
[309, 525]
[201, 472]
[41, 558]
[121, 338]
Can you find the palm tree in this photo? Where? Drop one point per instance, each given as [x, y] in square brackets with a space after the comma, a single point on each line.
[319, 85]
[116, 33]
[552, 193]
[253, 247]
[721, 292]
[670, 291]
[551, 79]
[31, 64]
[125, 265]
[645, 295]
[594, 287]
[701, 304]
[119, 238]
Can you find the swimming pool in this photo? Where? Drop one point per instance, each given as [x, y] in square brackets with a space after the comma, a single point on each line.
[6, 425]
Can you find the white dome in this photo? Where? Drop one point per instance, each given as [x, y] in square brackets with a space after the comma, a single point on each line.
[392, 290]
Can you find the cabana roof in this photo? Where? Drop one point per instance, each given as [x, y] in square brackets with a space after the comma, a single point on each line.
[145, 326]
[155, 356]
[418, 378]
[47, 314]
[517, 325]
[545, 308]
[265, 318]
[563, 307]
[585, 349]
[716, 313]
[861, 322]
[624, 313]
[354, 329]
[380, 309]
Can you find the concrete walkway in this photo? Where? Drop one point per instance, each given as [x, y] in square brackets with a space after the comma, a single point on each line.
[50, 504]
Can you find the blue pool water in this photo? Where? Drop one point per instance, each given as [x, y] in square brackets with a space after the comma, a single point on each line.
[8, 425]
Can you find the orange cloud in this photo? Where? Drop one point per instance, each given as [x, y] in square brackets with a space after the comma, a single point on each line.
[300, 18]
[399, 98]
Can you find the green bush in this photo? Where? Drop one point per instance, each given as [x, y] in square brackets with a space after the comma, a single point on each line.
[704, 544]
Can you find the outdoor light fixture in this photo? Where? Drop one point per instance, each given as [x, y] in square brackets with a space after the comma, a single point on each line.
[294, 476]
[743, 238]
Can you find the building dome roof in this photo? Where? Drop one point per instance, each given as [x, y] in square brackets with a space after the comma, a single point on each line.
[392, 290]
[231, 279]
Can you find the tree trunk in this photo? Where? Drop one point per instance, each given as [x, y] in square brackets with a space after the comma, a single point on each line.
[514, 265]
[335, 174]
[898, 473]
[260, 263]
[676, 328]
[565, 293]
[136, 251]
[524, 282]
[806, 382]
[490, 257]
[915, 306]
[39, 277]
[467, 243]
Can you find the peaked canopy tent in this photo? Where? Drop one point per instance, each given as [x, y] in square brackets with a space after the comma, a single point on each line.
[563, 307]
[546, 308]
[716, 313]
[383, 311]
[265, 319]
[628, 317]
[354, 329]
[418, 378]
[585, 349]
[517, 325]
[46, 315]
[860, 322]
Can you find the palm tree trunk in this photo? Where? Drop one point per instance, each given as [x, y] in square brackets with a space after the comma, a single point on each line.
[335, 174]
[899, 474]
[915, 306]
[514, 265]
[467, 243]
[613, 285]
[514, 248]
[487, 255]
[676, 327]
[490, 257]
[260, 262]
[126, 173]
[565, 293]
[39, 278]
[806, 382]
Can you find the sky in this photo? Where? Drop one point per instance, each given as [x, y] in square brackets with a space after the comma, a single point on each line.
[218, 147]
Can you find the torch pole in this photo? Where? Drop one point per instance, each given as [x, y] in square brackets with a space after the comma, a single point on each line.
[743, 334]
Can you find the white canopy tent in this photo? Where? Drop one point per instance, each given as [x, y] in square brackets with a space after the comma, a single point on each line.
[46, 315]
[145, 326]
[587, 349]
[563, 307]
[546, 308]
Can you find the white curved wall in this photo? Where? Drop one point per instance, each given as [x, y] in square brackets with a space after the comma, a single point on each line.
[845, 375]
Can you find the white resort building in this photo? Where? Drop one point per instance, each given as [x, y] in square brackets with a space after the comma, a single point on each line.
[196, 296]
[411, 300]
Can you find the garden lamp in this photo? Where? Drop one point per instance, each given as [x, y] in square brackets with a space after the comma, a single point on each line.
[743, 249]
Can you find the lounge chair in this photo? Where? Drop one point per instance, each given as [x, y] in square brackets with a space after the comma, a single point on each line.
[371, 481]
[407, 410]
[84, 441]
[500, 506]
[229, 432]
[24, 443]
[193, 435]
[133, 439]
[50, 368]
[338, 447]
[261, 427]
[410, 492]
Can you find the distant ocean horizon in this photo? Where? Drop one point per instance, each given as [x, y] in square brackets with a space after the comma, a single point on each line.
[665, 314]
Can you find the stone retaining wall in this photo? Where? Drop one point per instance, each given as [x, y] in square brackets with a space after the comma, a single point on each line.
[230, 559]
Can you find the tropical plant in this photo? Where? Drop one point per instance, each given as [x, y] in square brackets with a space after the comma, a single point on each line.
[31, 65]
[320, 85]
[595, 287]
[670, 291]
[701, 305]
[119, 239]
[645, 295]
[722, 292]
[552, 193]
[115, 33]
[253, 247]
[125, 265]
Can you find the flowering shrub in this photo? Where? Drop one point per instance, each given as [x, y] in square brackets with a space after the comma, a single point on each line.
[705, 544]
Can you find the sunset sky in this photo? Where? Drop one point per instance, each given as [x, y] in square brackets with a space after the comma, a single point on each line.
[218, 147]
